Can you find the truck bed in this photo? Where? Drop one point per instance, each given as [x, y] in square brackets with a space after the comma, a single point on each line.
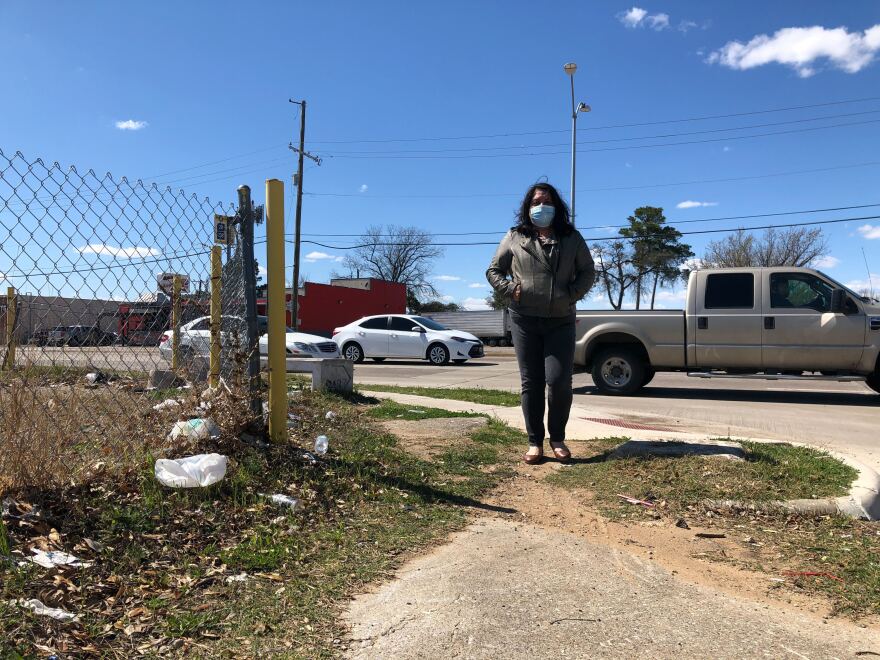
[662, 332]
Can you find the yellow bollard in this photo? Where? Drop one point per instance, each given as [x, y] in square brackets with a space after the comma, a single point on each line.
[216, 283]
[175, 323]
[11, 308]
[276, 310]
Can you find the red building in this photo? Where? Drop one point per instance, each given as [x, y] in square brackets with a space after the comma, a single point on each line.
[323, 307]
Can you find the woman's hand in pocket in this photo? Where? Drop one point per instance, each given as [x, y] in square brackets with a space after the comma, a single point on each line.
[517, 292]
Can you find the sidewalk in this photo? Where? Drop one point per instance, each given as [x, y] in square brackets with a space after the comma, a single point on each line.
[521, 586]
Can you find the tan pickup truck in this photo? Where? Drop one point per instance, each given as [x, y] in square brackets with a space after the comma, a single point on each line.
[771, 323]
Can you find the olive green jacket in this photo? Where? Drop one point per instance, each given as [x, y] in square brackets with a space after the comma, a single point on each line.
[550, 285]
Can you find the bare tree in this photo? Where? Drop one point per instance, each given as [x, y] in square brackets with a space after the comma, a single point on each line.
[615, 271]
[793, 246]
[397, 254]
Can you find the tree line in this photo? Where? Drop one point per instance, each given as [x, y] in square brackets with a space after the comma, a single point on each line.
[646, 256]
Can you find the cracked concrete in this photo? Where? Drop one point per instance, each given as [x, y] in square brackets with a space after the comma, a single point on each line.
[515, 590]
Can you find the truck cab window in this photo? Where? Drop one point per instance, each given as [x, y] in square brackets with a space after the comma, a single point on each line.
[800, 291]
[730, 291]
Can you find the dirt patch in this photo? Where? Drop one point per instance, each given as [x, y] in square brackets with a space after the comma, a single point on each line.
[428, 438]
[678, 550]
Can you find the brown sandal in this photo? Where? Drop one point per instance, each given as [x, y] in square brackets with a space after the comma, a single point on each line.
[561, 453]
[533, 459]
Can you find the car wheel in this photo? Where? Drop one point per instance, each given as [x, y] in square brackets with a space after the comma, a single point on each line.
[649, 376]
[873, 381]
[459, 361]
[378, 359]
[353, 352]
[618, 371]
[438, 354]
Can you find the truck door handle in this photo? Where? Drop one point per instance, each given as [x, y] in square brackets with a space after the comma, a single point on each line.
[702, 323]
[769, 323]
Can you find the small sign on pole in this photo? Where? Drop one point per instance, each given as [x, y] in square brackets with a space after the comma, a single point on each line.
[223, 229]
[165, 282]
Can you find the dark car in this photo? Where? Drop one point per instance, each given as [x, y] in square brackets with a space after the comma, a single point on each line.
[80, 335]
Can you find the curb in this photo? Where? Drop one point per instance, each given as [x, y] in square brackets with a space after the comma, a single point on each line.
[863, 501]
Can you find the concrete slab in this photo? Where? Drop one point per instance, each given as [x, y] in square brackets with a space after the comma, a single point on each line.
[502, 589]
[707, 448]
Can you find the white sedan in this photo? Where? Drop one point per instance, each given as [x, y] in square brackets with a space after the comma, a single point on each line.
[405, 336]
[195, 339]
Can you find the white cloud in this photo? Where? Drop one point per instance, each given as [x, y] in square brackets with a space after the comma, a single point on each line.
[633, 17]
[131, 125]
[691, 204]
[865, 286]
[315, 256]
[364, 187]
[119, 252]
[827, 261]
[801, 48]
[472, 285]
[447, 278]
[658, 21]
[474, 304]
[694, 263]
[684, 26]
[870, 231]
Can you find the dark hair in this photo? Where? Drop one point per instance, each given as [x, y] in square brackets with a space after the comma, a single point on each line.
[561, 219]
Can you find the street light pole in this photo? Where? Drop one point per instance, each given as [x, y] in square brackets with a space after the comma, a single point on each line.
[570, 68]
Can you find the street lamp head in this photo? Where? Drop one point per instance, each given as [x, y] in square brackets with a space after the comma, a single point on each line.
[583, 107]
[570, 68]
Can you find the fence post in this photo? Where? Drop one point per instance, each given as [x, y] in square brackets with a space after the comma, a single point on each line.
[175, 322]
[276, 310]
[249, 277]
[11, 309]
[216, 283]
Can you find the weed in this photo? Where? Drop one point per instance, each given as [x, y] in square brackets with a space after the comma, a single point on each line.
[392, 410]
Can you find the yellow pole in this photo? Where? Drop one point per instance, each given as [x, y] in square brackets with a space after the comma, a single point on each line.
[175, 322]
[216, 283]
[11, 305]
[276, 310]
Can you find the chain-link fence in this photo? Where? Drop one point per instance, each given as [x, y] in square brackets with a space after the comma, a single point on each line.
[93, 332]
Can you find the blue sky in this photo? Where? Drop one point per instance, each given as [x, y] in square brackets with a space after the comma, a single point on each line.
[207, 82]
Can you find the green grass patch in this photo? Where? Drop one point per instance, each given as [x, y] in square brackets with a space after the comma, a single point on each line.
[770, 472]
[364, 506]
[389, 409]
[472, 394]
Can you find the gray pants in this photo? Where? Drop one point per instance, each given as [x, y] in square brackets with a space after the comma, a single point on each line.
[545, 352]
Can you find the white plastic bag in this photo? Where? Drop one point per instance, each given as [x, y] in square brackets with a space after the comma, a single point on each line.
[191, 472]
[167, 404]
[200, 428]
[56, 558]
[55, 612]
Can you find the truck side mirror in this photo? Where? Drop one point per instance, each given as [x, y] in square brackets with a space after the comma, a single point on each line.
[838, 300]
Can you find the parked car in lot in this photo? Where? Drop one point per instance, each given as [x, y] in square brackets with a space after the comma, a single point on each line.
[405, 336]
[195, 339]
[782, 323]
[79, 335]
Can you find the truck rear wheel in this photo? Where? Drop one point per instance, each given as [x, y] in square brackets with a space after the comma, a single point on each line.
[873, 381]
[618, 371]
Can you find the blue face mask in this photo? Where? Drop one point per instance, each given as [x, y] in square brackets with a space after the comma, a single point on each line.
[542, 215]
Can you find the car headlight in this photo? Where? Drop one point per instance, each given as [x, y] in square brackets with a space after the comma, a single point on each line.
[304, 347]
[460, 339]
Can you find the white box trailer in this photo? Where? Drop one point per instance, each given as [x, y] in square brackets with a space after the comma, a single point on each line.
[491, 326]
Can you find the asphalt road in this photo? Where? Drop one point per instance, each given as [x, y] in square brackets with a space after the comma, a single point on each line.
[839, 416]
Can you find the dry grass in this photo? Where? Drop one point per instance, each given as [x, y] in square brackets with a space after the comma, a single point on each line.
[54, 431]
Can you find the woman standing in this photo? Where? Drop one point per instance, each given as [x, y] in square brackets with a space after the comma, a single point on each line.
[543, 267]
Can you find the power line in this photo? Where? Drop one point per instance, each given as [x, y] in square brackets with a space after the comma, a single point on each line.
[606, 127]
[620, 139]
[607, 188]
[607, 238]
[670, 223]
[638, 146]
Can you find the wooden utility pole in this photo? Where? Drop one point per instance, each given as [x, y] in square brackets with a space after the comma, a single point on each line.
[298, 182]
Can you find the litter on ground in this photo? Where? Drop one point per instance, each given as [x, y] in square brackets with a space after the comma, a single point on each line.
[191, 472]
